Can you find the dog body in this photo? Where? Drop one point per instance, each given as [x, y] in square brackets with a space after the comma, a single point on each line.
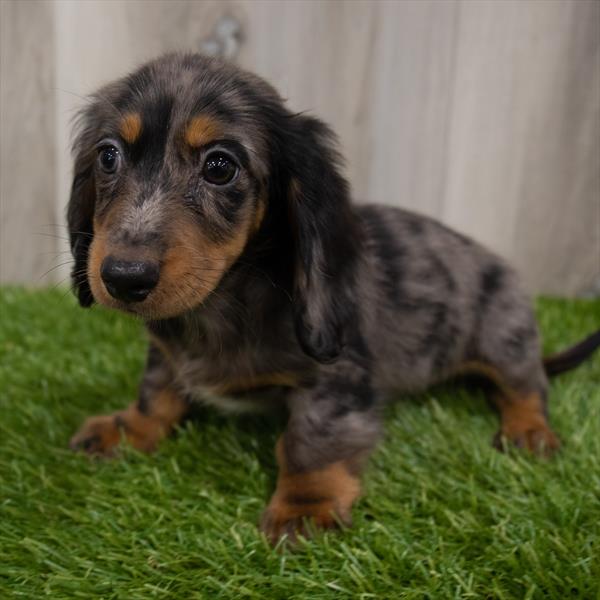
[202, 205]
[433, 303]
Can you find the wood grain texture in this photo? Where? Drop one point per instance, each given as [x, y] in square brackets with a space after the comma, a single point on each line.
[27, 158]
[523, 159]
[484, 114]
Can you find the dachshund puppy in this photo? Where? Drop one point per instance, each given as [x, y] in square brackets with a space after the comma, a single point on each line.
[205, 207]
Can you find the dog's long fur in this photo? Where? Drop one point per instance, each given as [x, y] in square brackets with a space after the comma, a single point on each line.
[274, 288]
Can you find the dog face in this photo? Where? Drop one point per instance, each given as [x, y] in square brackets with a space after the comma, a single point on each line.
[176, 177]
[179, 169]
[171, 216]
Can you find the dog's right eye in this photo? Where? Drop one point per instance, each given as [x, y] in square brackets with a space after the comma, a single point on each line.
[109, 158]
[219, 169]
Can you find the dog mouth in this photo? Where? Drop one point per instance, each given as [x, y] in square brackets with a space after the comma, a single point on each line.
[155, 305]
[152, 291]
[154, 283]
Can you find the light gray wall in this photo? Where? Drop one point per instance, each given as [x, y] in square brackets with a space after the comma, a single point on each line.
[28, 165]
[484, 114]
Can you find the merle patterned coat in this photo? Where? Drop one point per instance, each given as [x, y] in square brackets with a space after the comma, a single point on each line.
[203, 205]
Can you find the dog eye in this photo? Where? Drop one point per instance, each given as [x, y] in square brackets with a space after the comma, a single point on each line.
[109, 158]
[219, 169]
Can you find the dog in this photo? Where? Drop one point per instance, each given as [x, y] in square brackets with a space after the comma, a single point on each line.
[202, 205]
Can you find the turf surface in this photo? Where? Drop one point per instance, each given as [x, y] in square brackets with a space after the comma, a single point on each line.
[444, 515]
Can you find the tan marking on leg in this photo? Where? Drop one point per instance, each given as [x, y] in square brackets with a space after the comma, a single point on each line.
[130, 127]
[201, 130]
[485, 370]
[524, 424]
[523, 421]
[324, 497]
[256, 381]
[101, 435]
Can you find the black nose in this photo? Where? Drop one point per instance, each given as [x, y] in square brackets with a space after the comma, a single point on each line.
[130, 281]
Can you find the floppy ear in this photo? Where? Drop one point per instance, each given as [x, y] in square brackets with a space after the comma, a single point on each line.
[326, 239]
[80, 216]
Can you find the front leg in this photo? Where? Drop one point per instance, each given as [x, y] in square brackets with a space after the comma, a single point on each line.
[332, 428]
[145, 422]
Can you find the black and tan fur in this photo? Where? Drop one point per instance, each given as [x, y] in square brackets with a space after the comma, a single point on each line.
[274, 288]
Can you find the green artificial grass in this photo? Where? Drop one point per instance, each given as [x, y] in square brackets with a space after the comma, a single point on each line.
[443, 516]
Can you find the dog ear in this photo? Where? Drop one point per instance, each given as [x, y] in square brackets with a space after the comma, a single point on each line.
[326, 239]
[80, 216]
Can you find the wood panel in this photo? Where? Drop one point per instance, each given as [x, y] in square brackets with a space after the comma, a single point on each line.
[484, 114]
[523, 161]
[380, 74]
[27, 154]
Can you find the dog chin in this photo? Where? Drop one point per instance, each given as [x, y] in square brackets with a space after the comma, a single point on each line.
[117, 305]
[148, 310]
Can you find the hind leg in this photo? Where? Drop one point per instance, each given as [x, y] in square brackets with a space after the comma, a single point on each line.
[523, 411]
[506, 349]
[523, 423]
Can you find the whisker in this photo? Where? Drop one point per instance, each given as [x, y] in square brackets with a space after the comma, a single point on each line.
[50, 235]
[69, 262]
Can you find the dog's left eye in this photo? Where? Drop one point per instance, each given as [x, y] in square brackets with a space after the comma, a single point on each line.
[108, 158]
[219, 169]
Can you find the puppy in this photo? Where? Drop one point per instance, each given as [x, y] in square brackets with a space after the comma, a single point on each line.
[205, 207]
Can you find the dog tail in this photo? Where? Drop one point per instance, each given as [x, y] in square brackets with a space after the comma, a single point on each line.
[571, 357]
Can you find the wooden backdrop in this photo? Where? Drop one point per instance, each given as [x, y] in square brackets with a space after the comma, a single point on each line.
[484, 114]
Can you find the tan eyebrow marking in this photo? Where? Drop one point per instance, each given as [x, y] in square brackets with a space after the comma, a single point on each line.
[130, 127]
[201, 130]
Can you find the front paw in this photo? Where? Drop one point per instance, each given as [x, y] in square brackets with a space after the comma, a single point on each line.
[301, 515]
[98, 436]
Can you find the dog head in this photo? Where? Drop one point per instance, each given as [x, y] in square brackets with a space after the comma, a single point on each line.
[178, 167]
